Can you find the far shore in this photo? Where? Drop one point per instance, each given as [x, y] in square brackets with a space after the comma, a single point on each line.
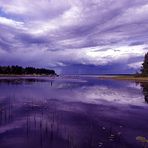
[29, 75]
[124, 77]
[102, 77]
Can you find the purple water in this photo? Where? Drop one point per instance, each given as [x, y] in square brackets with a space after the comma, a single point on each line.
[72, 112]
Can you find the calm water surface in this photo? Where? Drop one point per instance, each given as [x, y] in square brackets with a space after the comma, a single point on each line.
[72, 112]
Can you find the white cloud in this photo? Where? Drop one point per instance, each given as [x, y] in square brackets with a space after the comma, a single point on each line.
[135, 65]
[11, 23]
[114, 54]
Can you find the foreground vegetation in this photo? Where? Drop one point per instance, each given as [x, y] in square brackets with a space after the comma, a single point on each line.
[18, 70]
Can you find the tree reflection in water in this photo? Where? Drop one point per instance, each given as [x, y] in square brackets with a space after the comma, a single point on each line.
[144, 86]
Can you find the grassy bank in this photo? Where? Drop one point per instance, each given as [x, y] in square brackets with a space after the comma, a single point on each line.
[125, 77]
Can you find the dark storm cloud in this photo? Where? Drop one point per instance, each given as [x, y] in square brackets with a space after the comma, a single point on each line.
[114, 68]
[58, 33]
[136, 43]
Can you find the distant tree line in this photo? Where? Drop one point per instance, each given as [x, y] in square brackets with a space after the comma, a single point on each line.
[18, 70]
[144, 68]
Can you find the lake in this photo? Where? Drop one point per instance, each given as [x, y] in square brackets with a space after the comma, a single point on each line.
[72, 112]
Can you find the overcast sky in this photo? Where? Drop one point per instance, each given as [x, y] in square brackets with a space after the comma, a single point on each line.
[74, 36]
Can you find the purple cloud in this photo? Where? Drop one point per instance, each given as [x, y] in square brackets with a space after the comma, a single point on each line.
[53, 33]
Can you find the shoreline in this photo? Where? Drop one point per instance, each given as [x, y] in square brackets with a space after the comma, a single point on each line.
[126, 78]
[103, 77]
[13, 75]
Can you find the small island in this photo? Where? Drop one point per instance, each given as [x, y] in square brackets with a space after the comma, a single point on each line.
[27, 71]
[141, 76]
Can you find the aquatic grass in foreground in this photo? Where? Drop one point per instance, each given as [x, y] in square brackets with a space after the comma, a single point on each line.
[47, 124]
